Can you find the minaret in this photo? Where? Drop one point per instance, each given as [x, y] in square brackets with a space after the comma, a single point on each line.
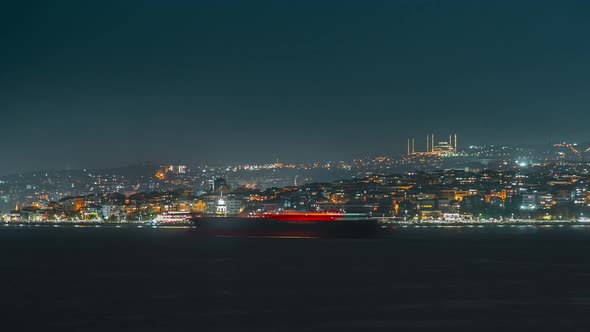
[413, 150]
[427, 143]
[432, 142]
[408, 146]
[455, 142]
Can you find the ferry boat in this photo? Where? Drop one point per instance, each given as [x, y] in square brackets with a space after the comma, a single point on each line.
[174, 218]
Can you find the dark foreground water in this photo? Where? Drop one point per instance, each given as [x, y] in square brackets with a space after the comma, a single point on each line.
[471, 279]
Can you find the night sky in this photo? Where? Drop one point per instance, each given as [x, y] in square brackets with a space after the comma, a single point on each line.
[109, 83]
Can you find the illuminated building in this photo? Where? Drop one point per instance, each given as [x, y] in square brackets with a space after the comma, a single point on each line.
[234, 206]
[442, 148]
[529, 201]
[221, 209]
[545, 200]
[177, 169]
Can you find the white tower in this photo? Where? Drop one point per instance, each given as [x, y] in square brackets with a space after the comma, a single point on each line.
[221, 210]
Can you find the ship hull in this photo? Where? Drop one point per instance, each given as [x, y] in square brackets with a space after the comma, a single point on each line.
[264, 227]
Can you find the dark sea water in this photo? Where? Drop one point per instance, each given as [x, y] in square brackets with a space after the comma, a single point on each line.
[443, 279]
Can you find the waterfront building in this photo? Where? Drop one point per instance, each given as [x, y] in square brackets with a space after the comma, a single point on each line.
[529, 201]
[234, 206]
[221, 209]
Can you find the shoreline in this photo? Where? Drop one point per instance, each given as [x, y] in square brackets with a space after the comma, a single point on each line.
[413, 224]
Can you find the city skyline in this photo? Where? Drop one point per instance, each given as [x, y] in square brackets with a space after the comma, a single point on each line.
[110, 84]
[281, 165]
[41, 187]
